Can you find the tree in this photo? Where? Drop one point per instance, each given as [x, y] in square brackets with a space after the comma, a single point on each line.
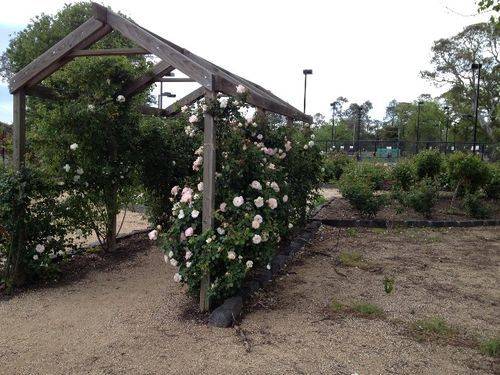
[99, 170]
[452, 59]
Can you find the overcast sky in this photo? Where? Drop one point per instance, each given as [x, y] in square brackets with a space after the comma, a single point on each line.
[360, 49]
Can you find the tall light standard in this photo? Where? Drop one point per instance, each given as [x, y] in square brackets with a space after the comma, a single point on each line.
[334, 107]
[474, 67]
[306, 73]
[420, 102]
[447, 125]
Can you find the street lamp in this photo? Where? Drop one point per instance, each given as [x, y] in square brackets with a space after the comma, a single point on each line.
[447, 125]
[306, 73]
[160, 98]
[420, 102]
[474, 67]
[334, 107]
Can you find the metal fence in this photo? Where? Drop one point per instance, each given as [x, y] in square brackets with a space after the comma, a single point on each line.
[395, 149]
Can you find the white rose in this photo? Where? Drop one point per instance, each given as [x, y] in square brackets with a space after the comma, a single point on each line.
[173, 262]
[175, 190]
[288, 146]
[268, 266]
[79, 171]
[193, 119]
[165, 257]
[311, 143]
[170, 254]
[240, 89]
[73, 147]
[188, 264]
[39, 248]
[290, 225]
[120, 99]
[275, 186]
[223, 206]
[200, 186]
[35, 257]
[153, 235]
[249, 264]
[91, 107]
[259, 202]
[255, 224]
[256, 239]
[272, 203]
[221, 231]
[184, 108]
[177, 278]
[256, 185]
[67, 168]
[181, 214]
[195, 214]
[285, 198]
[223, 102]
[238, 201]
[231, 255]
[258, 218]
[188, 255]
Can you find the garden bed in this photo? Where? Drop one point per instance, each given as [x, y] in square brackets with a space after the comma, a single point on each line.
[340, 209]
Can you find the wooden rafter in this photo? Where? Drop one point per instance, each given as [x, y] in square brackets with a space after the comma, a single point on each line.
[147, 79]
[175, 80]
[109, 52]
[175, 108]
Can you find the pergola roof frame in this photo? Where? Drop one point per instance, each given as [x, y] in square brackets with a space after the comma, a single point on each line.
[207, 74]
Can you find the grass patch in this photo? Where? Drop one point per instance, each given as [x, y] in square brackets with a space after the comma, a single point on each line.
[433, 327]
[491, 347]
[351, 232]
[379, 230]
[353, 259]
[368, 309]
[336, 306]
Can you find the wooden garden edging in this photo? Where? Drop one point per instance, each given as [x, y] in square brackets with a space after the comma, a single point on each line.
[380, 223]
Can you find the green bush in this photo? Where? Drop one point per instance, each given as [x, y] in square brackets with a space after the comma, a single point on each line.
[492, 187]
[360, 193]
[467, 172]
[403, 174]
[474, 205]
[335, 164]
[428, 163]
[422, 197]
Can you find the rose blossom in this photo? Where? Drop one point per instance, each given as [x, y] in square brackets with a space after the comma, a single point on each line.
[177, 277]
[184, 108]
[200, 186]
[249, 264]
[173, 262]
[193, 119]
[288, 146]
[188, 255]
[238, 201]
[255, 224]
[120, 99]
[256, 239]
[181, 214]
[272, 203]
[165, 257]
[153, 235]
[39, 248]
[73, 147]
[221, 231]
[175, 190]
[275, 186]
[223, 206]
[240, 89]
[223, 102]
[195, 214]
[285, 198]
[231, 255]
[256, 185]
[258, 218]
[189, 232]
[259, 202]
[188, 264]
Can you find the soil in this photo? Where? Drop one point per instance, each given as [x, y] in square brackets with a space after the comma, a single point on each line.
[339, 208]
[123, 313]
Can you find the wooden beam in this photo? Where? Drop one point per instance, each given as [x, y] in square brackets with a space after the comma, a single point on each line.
[209, 144]
[147, 79]
[49, 61]
[189, 99]
[147, 40]
[175, 80]
[109, 52]
[19, 124]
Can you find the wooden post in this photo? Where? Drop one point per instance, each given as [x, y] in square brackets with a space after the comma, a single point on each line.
[19, 125]
[208, 191]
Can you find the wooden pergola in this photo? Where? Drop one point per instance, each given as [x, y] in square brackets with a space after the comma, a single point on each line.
[212, 78]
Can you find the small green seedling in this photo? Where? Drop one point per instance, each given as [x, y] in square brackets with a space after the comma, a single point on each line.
[389, 284]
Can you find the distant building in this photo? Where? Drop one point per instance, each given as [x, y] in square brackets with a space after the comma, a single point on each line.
[5, 129]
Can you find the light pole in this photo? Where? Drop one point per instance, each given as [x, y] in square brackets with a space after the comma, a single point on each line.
[306, 73]
[447, 125]
[476, 107]
[334, 107]
[420, 102]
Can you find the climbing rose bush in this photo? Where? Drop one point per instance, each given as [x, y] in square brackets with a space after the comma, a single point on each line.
[266, 177]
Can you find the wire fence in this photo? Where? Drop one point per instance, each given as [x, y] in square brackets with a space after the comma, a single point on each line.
[365, 149]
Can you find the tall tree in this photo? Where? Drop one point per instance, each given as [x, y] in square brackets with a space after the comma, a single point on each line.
[452, 59]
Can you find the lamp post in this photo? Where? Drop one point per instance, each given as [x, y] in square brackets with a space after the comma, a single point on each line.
[474, 67]
[420, 102]
[306, 73]
[334, 107]
[447, 125]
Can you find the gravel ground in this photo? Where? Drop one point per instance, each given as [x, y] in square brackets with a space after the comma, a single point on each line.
[123, 313]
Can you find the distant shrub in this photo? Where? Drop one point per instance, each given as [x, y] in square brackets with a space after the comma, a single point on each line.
[403, 174]
[492, 187]
[335, 165]
[422, 197]
[428, 163]
[467, 172]
[360, 193]
[474, 205]
[374, 174]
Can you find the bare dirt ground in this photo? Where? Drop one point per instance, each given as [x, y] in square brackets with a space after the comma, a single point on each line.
[124, 314]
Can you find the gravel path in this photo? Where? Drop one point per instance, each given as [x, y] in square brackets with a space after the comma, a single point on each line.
[126, 315]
